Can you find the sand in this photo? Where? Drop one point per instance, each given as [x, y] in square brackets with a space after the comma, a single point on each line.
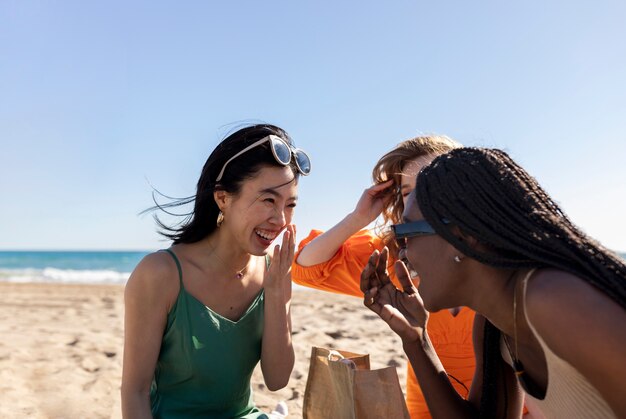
[61, 348]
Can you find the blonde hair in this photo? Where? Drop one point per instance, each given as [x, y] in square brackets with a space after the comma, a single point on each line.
[390, 167]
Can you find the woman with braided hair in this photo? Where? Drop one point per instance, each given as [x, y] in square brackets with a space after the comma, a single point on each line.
[550, 301]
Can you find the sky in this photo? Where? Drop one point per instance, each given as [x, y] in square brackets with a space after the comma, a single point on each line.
[100, 100]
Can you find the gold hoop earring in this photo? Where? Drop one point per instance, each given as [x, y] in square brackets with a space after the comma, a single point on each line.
[220, 219]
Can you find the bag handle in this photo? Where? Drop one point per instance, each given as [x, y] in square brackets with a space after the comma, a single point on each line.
[335, 356]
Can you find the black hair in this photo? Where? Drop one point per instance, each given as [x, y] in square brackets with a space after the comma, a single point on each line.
[492, 199]
[201, 221]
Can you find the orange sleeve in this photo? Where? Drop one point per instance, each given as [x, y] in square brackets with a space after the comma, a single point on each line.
[341, 273]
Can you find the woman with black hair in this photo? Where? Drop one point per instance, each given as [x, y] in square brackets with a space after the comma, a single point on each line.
[550, 301]
[200, 315]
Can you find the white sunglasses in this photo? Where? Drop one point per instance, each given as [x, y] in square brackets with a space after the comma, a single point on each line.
[282, 152]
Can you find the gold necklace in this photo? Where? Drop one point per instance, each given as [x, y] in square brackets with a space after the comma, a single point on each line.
[238, 274]
[524, 379]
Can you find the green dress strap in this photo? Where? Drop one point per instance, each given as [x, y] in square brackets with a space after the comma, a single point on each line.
[180, 269]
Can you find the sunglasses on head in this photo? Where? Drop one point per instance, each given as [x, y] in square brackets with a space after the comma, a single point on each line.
[282, 152]
[418, 228]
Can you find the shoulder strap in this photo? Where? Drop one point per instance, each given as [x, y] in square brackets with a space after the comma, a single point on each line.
[524, 284]
[180, 269]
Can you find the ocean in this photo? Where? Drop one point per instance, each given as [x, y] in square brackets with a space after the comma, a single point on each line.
[84, 267]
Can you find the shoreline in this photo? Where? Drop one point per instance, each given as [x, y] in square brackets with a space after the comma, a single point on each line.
[61, 347]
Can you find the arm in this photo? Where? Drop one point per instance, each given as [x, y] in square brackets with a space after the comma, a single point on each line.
[513, 402]
[341, 273]
[404, 312]
[277, 355]
[584, 327]
[369, 207]
[146, 306]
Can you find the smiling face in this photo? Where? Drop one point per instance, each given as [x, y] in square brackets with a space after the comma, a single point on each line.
[433, 259]
[261, 210]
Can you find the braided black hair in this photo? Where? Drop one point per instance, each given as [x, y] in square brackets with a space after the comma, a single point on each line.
[491, 198]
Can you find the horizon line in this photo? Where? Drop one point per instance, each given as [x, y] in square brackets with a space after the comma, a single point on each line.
[78, 250]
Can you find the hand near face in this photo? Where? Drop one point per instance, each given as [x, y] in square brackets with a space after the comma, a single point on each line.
[278, 276]
[403, 310]
[371, 203]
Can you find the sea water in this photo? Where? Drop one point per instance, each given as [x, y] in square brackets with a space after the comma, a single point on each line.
[85, 267]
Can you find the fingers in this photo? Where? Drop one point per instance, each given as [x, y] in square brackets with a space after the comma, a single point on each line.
[292, 243]
[405, 278]
[380, 186]
[287, 249]
[275, 257]
[375, 273]
[381, 269]
[279, 270]
[368, 275]
[390, 314]
[397, 322]
[284, 250]
[369, 300]
[291, 246]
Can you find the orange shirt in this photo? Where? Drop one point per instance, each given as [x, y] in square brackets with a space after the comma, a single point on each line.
[451, 336]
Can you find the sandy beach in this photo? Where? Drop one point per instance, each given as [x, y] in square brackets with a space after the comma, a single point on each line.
[61, 348]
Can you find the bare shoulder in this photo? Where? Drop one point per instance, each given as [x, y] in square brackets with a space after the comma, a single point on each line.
[155, 279]
[552, 291]
[566, 310]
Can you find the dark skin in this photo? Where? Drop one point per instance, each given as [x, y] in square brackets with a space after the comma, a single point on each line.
[579, 323]
[403, 310]
[383, 298]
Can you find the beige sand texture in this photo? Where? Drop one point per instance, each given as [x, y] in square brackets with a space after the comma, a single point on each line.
[61, 348]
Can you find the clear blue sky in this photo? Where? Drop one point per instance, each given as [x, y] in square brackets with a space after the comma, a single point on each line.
[97, 96]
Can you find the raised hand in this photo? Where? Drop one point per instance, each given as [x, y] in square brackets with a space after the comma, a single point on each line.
[402, 310]
[278, 276]
[372, 202]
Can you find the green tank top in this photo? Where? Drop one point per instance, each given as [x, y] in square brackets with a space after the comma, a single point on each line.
[206, 361]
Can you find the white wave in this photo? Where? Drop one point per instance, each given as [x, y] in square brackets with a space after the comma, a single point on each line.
[75, 276]
[64, 276]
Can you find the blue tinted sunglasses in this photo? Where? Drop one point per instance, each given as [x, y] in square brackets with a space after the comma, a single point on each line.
[282, 152]
[418, 228]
